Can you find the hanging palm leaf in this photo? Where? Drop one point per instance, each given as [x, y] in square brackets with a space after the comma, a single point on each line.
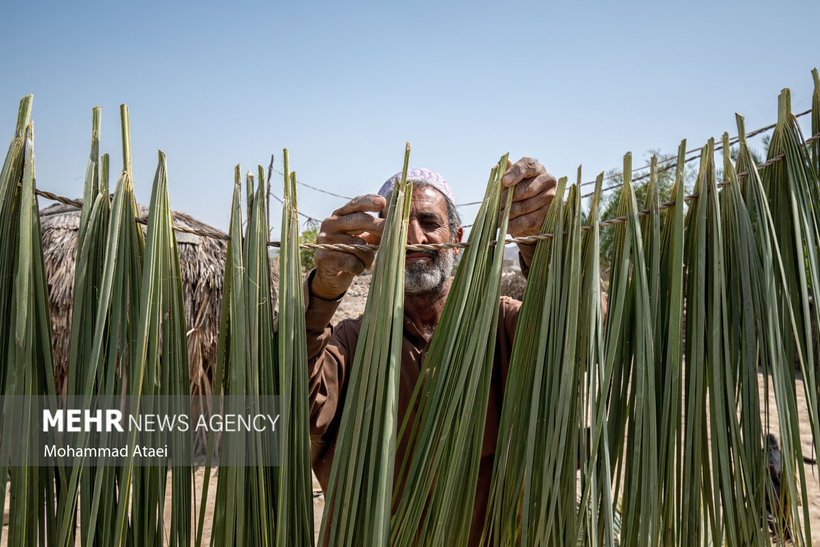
[226, 360]
[294, 513]
[439, 473]
[546, 378]
[756, 336]
[596, 523]
[10, 178]
[358, 504]
[26, 326]
[88, 272]
[629, 342]
[107, 341]
[158, 366]
[526, 363]
[791, 187]
[669, 351]
[257, 366]
[230, 517]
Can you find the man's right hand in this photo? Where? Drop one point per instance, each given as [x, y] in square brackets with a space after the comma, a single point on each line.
[350, 224]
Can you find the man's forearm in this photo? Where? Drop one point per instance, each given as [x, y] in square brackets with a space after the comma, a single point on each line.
[318, 314]
[327, 352]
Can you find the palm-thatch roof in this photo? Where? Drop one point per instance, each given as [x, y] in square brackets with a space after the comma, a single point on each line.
[202, 260]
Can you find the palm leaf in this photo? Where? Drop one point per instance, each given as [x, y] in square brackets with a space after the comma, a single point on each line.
[294, 504]
[10, 179]
[230, 516]
[27, 328]
[358, 503]
[633, 401]
[596, 525]
[158, 359]
[111, 335]
[527, 364]
[441, 470]
[791, 187]
[669, 346]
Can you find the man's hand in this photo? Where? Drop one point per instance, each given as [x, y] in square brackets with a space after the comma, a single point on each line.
[533, 189]
[350, 225]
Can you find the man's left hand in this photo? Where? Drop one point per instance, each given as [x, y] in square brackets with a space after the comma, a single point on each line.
[533, 189]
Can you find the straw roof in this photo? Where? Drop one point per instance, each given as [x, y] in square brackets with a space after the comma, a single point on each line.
[202, 261]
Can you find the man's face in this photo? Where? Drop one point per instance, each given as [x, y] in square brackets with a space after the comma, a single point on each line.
[427, 271]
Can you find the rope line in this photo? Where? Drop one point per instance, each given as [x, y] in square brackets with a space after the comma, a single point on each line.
[433, 246]
[328, 192]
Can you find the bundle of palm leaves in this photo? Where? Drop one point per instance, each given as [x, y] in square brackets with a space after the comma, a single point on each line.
[357, 511]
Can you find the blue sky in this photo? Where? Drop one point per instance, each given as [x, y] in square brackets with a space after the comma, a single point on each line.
[343, 86]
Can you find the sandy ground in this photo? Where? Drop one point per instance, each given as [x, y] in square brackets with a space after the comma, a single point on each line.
[811, 470]
[353, 304]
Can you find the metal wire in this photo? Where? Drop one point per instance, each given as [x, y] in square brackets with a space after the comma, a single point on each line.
[424, 247]
[666, 164]
[672, 161]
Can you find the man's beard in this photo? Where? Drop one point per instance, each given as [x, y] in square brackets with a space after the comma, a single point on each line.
[421, 278]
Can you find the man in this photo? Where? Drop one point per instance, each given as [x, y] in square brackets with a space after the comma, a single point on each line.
[433, 219]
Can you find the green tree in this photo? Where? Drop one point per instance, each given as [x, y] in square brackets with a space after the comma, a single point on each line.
[306, 255]
[666, 179]
[615, 177]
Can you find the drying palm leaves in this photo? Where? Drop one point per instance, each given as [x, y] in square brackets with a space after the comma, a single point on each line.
[261, 504]
[10, 185]
[798, 242]
[158, 366]
[668, 278]
[533, 492]
[595, 524]
[10, 202]
[107, 340]
[240, 517]
[90, 263]
[791, 186]
[294, 505]
[439, 472]
[230, 357]
[755, 338]
[128, 338]
[630, 362]
[359, 497]
[25, 325]
[647, 424]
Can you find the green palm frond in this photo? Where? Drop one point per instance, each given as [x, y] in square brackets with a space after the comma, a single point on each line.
[25, 324]
[439, 473]
[357, 510]
[294, 517]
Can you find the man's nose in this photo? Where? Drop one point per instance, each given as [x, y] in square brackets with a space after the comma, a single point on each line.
[415, 235]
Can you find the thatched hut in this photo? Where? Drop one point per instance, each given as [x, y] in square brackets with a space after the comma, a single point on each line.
[202, 260]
